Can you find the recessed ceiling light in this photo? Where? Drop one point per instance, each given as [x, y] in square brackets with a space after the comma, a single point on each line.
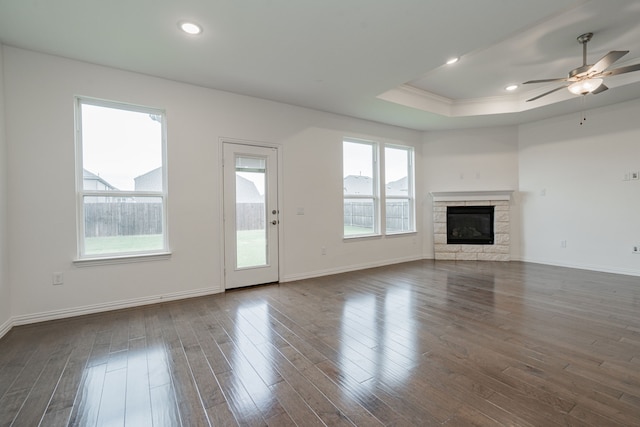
[511, 87]
[190, 28]
[452, 60]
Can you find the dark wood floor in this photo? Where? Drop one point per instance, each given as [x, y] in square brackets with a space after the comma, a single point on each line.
[422, 343]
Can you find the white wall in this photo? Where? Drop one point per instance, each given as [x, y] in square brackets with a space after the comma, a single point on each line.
[571, 181]
[39, 93]
[5, 294]
[471, 160]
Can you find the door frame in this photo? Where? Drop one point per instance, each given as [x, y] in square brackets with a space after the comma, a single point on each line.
[221, 228]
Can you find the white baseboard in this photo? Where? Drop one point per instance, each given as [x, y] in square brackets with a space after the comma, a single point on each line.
[346, 269]
[599, 268]
[6, 327]
[109, 306]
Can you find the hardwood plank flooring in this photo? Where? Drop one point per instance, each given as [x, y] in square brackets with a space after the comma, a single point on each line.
[421, 343]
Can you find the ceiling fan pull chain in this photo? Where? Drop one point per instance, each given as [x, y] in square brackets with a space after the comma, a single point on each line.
[583, 113]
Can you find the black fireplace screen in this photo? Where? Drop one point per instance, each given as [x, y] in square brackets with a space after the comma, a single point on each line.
[471, 225]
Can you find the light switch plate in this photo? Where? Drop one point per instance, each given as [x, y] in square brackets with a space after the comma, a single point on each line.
[57, 279]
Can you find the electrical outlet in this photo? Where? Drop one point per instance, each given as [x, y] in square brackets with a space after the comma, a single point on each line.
[635, 175]
[626, 176]
[58, 278]
[636, 249]
[563, 243]
[323, 250]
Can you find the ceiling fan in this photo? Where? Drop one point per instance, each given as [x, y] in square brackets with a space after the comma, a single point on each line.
[588, 78]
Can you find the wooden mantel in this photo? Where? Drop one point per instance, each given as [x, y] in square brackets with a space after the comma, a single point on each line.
[464, 196]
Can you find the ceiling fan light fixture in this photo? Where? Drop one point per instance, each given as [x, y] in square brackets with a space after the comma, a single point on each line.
[511, 88]
[452, 61]
[584, 87]
[190, 28]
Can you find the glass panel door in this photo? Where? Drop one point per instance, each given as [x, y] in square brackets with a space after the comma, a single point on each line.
[251, 229]
[251, 215]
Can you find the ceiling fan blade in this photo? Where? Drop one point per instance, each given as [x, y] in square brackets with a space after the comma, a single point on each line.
[564, 79]
[607, 60]
[601, 88]
[622, 70]
[546, 93]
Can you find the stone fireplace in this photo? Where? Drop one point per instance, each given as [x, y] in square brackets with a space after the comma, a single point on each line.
[499, 250]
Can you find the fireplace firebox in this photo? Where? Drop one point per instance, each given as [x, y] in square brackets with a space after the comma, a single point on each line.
[470, 225]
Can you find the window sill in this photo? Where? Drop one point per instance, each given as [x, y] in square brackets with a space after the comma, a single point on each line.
[361, 237]
[124, 259]
[379, 236]
[402, 233]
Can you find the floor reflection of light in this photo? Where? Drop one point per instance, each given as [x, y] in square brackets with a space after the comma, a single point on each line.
[111, 396]
[378, 335]
[359, 334]
[138, 408]
[252, 365]
[90, 394]
[401, 352]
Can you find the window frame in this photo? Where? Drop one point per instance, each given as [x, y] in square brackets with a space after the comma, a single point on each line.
[81, 193]
[380, 197]
[411, 172]
[375, 168]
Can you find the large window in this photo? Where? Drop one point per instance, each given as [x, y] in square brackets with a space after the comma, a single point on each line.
[399, 199]
[121, 179]
[360, 181]
[362, 193]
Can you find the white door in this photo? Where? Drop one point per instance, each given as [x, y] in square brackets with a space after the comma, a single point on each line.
[251, 216]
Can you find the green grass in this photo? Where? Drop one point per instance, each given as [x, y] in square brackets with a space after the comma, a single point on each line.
[251, 248]
[122, 244]
[350, 230]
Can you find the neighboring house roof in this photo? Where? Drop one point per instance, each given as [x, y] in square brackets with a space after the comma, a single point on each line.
[399, 187]
[246, 191]
[90, 176]
[150, 181]
[355, 184]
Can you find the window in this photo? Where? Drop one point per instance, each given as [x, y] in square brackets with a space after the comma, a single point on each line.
[360, 182]
[121, 179]
[399, 199]
[362, 194]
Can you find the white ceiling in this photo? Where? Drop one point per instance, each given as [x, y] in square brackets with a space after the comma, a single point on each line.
[361, 58]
